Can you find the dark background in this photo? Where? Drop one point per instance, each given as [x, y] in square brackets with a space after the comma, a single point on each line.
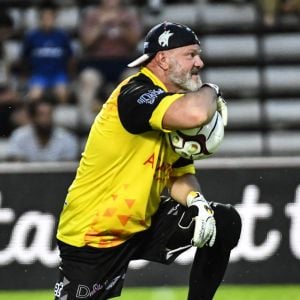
[44, 192]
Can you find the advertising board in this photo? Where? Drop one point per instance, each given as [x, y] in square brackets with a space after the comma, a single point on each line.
[265, 192]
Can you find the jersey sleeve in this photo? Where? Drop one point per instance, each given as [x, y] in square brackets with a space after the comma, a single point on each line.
[141, 106]
[183, 166]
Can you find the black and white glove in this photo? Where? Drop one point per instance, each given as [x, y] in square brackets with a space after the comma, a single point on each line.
[221, 103]
[200, 212]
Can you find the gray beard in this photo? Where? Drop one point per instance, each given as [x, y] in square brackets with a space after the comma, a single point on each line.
[186, 84]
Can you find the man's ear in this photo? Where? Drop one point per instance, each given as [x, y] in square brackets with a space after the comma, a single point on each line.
[162, 60]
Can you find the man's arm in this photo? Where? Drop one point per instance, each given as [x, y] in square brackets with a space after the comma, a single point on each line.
[191, 110]
[186, 191]
[182, 186]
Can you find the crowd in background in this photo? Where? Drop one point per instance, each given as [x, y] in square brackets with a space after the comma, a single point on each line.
[53, 71]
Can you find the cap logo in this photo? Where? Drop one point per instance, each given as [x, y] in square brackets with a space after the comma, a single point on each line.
[163, 39]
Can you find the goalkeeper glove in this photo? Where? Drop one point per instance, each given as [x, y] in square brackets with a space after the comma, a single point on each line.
[200, 212]
[221, 103]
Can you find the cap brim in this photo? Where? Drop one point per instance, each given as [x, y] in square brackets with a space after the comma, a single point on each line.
[139, 61]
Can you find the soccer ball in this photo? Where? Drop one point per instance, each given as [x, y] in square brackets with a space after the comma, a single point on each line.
[198, 143]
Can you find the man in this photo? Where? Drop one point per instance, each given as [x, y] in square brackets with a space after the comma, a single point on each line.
[41, 140]
[113, 212]
[48, 52]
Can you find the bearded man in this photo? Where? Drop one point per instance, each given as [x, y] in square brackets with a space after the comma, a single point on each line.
[114, 212]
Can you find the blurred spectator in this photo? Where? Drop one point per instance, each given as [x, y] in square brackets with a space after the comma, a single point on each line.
[8, 96]
[109, 34]
[49, 54]
[41, 140]
[6, 26]
[19, 116]
[269, 10]
[291, 6]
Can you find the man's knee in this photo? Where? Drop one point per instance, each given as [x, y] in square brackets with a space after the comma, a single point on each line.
[228, 223]
[235, 225]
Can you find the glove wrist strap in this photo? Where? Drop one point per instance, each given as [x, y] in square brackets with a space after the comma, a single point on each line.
[193, 196]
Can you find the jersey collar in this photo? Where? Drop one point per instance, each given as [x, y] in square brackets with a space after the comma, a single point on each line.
[154, 78]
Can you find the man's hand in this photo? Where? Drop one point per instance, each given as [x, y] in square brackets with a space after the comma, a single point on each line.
[222, 109]
[214, 87]
[201, 213]
[221, 103]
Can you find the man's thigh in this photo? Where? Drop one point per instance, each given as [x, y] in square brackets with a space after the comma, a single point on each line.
[89, 273]
[165, 240]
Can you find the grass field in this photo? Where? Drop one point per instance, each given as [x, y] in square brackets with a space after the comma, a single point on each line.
[227, 292]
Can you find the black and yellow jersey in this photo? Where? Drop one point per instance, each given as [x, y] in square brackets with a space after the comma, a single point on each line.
[125, 166]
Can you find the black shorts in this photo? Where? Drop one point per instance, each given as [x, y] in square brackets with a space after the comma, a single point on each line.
[93, 273]
[97, 274]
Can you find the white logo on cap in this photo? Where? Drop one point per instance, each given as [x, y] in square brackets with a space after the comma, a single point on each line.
[163, 39]
[146, 45]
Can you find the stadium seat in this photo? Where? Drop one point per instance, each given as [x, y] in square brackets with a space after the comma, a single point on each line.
[66, 116]
[241, 144]
[30, 18]
[284, 142]
[76, 46]
[12, 50]
[229, 49]
[282, 80]
[282, 47]
[228, 15]
[17, 15]
[235, 81]
[179, 13]
[283, 113]
[244, 113]
[68, 18]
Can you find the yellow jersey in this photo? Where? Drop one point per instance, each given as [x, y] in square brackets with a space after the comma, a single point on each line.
[125, 166]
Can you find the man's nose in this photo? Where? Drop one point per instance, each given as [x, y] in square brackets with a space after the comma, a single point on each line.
[199, 62]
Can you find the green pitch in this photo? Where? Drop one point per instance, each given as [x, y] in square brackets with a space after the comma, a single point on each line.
[226, 292]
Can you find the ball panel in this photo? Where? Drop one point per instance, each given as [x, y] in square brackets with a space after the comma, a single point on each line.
[198, 143]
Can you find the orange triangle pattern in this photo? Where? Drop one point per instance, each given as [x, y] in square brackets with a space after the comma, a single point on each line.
[114, 196]
[96, 219]
[109, 212]
[129, 202]
[123, 219]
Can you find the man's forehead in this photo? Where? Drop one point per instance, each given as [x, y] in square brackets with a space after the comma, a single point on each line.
[194, 48]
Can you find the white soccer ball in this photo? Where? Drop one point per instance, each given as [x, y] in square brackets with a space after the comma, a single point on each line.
[198, 143]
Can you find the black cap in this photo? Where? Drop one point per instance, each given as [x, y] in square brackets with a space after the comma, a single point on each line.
[165, 36]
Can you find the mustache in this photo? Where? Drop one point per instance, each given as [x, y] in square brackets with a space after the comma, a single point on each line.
[195, 71]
